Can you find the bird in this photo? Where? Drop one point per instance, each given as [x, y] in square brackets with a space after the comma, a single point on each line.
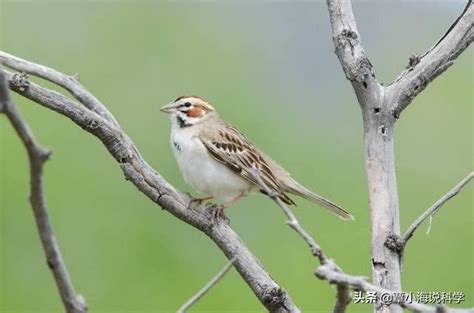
[222, 164]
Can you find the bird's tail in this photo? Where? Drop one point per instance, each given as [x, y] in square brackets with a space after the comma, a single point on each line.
[296, 188]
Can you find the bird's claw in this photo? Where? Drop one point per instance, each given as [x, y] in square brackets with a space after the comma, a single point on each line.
[194, 202]
[218, 213]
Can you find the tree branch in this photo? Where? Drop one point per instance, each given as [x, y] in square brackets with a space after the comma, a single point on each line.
[431, 211]
[73, 303]
[343, 296]
[360, 283]
[68, 82]
[214, 280]
[292, 220]
[161, 192]
[422, 70]
[155, 187]
[351, 53]
[330, 271]
[381, 106]
[379, 151]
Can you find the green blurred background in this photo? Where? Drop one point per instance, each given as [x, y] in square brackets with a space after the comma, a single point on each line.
[270, 69]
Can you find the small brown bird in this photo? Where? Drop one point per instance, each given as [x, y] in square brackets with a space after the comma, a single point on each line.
[217, 160]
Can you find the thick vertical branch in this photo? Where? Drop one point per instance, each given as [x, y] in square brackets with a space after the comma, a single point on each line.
[379, 154]
[73, 303]
[380, 108]
[383, 198]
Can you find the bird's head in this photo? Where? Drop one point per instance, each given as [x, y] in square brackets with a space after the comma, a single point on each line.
[187, 111]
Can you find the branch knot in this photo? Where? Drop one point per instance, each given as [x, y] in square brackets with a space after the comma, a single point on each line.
[395, 243]
[20, 82]
[349, 34]
[274, 297]
[413, 61]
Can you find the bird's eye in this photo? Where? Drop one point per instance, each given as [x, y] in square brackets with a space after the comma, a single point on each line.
[187, 104]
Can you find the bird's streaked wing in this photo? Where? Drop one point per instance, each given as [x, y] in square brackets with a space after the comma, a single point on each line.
[228, 145]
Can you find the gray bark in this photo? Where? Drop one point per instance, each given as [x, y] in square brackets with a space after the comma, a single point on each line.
[37, 156]
[155, 187]
[381, 107]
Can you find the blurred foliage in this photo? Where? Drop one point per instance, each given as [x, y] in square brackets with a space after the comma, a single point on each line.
[269, 68]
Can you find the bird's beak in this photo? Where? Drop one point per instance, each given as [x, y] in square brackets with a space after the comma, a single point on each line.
[167, 108]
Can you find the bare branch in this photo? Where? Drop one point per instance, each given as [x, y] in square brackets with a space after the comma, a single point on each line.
[379, 151]
[431, 64]
[334, 276]
[343, 298]
[330, 271]
[381, 106]
[69, 82]
[73, 303]
[431, 211]
[214, 280]
[351, 54]
[292, 221]
[155, 187]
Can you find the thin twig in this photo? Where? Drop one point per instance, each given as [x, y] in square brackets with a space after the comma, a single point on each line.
[343, 296]
[431, 211]
[433, 62]
[73, 303]
[214, 280]
[292, 220]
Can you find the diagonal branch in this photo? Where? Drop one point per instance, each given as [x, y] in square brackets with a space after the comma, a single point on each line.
[351, 53]
[73, 303]
[343, 296]
[214, 280]
[155, 187]
[292, 220]
[68, 82]
[422, 70]
[431, 211]
[330, 271]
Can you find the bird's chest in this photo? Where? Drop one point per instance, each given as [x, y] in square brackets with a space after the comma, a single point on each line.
[189, 152]
[200, 170]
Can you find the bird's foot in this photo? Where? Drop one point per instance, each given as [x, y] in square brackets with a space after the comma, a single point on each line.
[218, 213]
[195, 202]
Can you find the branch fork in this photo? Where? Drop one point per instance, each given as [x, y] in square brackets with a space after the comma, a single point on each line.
[37, 155]
[91, 115]
[381, 106]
